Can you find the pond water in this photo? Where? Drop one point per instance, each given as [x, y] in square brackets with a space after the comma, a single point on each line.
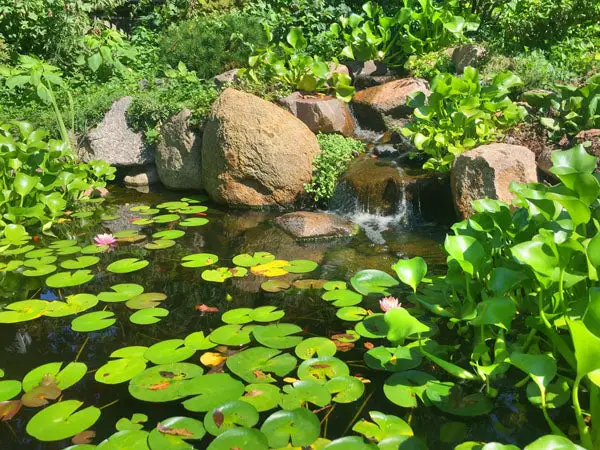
[29, 344]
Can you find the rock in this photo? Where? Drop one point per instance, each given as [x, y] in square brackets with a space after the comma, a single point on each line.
[370, 73]
[592, 136]
[321, 114]
[468, 55]
[487, 171]
[372, 104]
[337, 68]
[143, 176]
[313, 225]
[114, 142]
[255, 154]
[226, 77]
[178, 154]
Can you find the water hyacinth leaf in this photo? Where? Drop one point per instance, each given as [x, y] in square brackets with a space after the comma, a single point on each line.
[342, 297]
[273, 268]
[401, 324]
[134, 439]
[232, 414]
[373, 327]
[148, 316]
[64, 379]
[23, 310]
[442, 395]
[557, 393]
[62, 420]
[352, 313]
[266, 314]
[9, 389]
[275, 285]
[373, 282]
[300, 427]
[240, 437]
[146, 300]
[122, 293]
[262, 396]
[587, 350]
[170, 235]
[199, 260]
[319, 346]
[495, 311]
[159, 244]
[232, 335]
[345, 389]
[169, 351]
[408, 442]
[254, 365]
[467, 251]
[552, 442]
[301, 393]
[449, 367]
[127, 265]
[411, 271]
[79, 263]
[94, 321]
[16, 234]
[403, 388]
[393, 359]
[322, 369]
[278, 335]
[301, 266]
[198, 341]
[163, 383]
[383, 426]
[452, 432]
[166, 218]
[593, 250]
[210, 391]
[69, 279]
[193, 222]
[541, 368]
[247, 260]
[120, 370]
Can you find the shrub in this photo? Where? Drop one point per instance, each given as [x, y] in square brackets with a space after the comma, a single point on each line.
[336, 152]
[212, 44]
[430, 64]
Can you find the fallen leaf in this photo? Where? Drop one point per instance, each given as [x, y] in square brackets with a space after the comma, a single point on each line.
[369, 345]
[259, 374]
[85, 437]
[343, 346]
[218, 417]
[254, 393]
[211, 359]
[174, 431]
[159, 386]
[38, 395]
[320, 366]
[9, 409]
[290, 380]
[206, 309]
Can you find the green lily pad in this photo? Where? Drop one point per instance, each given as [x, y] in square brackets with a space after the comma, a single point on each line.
[223, 273]
[440, 394]
[254, 365]
[232, 414]
[148, 316]
[393, 359]
[135, 423]
[39, 262]
[149, 212]
[301, 266]
[62, 420]
[210, 391]
[146, 300]
[373, 282]
[133, 439]
[169, 351]
[342, 297]
[94, 249]
[170, 235]
[23, 310]
[354, 443]
[193, 209]
[198, 341]
[122, 293]
[232, 335]
[171, 433]
[247, 260]
[11, 266]
[142, 221]
[39, 271]
[193, 222]
[64, 243]
[352, 313]
[173, 205]
[404, 388]
[322, 369]
[166, 218]
[69, 279]
[68, 251]
[80, 263]
[266, 314]
[39, 253]
[159, 244]
[199, 260]
[64, 379]
[94, 321]
[120, 370]
[9, 389]
[345, 389]
[275, 286]
[300, 426]
[82, 214]
[262, 396]
[303, 392]
[125, 234]
[109, 217]
[127, 265]
[237, 316]
[383, 426]
[240, 437]
[372, 327]
[316, 345]
[163, 383]
[278, 335]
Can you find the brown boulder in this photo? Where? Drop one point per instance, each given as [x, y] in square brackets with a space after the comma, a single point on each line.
[487, 171]
[312, 225]
[321, 114]
[373, 104]
[254, 153]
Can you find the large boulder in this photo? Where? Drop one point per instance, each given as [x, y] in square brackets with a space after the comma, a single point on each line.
[254, 153]
[487, 171]
[313, 225]
[373, 104]
[178, 154]
[114, 142]
[321, 114]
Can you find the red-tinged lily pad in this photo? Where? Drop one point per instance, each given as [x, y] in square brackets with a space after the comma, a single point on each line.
[199, 260]
[232, 414]
[23, 310]
[275, 286]
[62, 420]
[69, 279]
[127, 265]
[300, 426]
[210, 391]
[163, 383]
[122, 293]
[9, 409]
[169, 351]
[94, 321]
[39, 395]
[247, 260]
[148, 316]
[63, 377]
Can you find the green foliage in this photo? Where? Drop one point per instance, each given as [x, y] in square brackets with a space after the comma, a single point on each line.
[212, 44]
[336, 152]
[430, 64]
[40, 178]
[460, 114]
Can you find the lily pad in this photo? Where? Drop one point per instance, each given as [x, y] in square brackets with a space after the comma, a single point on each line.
[120, 370]
[133, 439]
[163, 383]
[199, 260]
[94, 321]
[38, 271]
[278, 335]
[127, 265]
[171, 433]
[23, 310]
[68, 251]
[159, 244]
[345, 389]
[258, 258]
[169, 351]
[266, 314]
[63, 377]
[232, 414]
[210, 391]
[322, 369]
[80, 263]
[301, 393]
[135, 423]
[64, 243]
[62, 420]
[404, 388]
[223, 273]
[146, 300]
[232, 335]
[148, 316]
[69, 279]
[170, 235]
[275, 286]
[301, 266]
[198, 341]
[237, 316]
[198, 209]
[319, 346]
[254, 365]
[166, 218]
[9, 389]
[193, 222]
[342, 297]
[300, 426]
[142, 221]
[171, 206]
[240, 437]
[393, 359]
[383, 426]
[262, 396]
[94, 249]
[373, 282]
[373, 327]
[352, 313]
[122, 293]
[273, 268]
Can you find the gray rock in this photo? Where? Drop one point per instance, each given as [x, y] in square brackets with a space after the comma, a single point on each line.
[178, 154]
[114, 142]
[144, 176]
[227, 77]
[321, 114]
[370, 73]
[312, 225]
[468, 55]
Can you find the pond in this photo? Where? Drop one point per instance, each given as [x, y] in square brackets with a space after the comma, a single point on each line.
[350, 378]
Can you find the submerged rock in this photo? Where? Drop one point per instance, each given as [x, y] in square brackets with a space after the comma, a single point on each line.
[114, 142]
[255, 154]
[373, 104]
[178, 158]
[487, 171]
[321, 114]
[143, 176]
[313, 225]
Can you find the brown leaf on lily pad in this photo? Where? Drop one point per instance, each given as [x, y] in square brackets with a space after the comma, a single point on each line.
[174, 431]
[206, 309]
[254, 393]
[9, 409]
[38, 396]
[259, 374]
[343, 346]
[159, 386]
[168, 375]
[218, 417]
[83, 438]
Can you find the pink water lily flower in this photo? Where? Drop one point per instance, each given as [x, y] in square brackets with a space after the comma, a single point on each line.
[388, 303]
[105, 239]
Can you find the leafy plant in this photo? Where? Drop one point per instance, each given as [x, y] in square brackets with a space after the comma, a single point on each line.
[336, 152]
[460, 114]
[106, 52]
